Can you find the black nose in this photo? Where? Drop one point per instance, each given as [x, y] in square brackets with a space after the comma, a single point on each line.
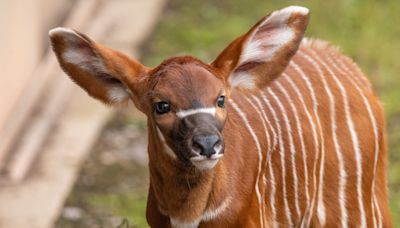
[205, 144]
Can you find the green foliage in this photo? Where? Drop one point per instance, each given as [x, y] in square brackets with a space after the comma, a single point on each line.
[111, 190]
[366, 30]
[130, 206]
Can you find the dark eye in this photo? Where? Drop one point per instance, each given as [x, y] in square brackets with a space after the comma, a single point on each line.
[162, 107]
[221, 101]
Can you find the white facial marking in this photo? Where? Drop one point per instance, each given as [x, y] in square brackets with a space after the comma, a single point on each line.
[201, 162]
[117, 94]
[167, 149]
[188, 112]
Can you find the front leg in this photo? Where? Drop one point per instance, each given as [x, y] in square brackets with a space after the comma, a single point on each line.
[153, 215]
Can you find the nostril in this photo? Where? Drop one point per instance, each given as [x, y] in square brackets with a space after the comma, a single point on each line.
[218, 146]
[206, 144]
[197, 147]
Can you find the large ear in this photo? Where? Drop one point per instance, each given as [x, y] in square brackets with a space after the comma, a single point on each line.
[105, 74]
[260, 55]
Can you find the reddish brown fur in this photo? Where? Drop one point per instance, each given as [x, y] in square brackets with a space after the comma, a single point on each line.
[185, 193]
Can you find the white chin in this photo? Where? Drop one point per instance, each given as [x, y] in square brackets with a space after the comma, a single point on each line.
[203, 163]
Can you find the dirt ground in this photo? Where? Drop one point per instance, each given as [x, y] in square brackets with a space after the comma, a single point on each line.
[112, 186]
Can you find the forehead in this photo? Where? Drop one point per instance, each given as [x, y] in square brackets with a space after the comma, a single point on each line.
[188, 84]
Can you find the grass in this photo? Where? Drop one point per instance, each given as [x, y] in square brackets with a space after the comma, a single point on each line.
[112, 186]
[366, 30]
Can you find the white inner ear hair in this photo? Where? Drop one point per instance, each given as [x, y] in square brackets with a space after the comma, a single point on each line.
[242, 79]
[264, 43]
[85, 61]
[117, 94]
[266, 40]
[188, 112]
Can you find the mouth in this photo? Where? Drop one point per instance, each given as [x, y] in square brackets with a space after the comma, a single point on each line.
[202, 162]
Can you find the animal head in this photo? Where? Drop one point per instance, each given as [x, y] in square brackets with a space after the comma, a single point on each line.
[183, 97]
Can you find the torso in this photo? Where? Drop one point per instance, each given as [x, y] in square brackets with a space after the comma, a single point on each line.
[305, 151]
[319, 130]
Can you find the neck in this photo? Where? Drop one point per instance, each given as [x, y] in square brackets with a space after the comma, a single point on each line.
[183, 192]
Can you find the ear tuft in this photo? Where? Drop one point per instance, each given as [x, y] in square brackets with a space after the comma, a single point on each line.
[76, 48]
[294, 9]
[261, 55]
[272, 33]
[60, 30]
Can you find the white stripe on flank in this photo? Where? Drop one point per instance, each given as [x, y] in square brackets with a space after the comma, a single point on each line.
[292, 150]
[339, 154]
[272, 195]
[258, 177]
[268, 159]
[303, 148]
[275, 141]
[254, 136]
[321, 212]
[314, 132]
[188, 112]
[282, 158]
[375, 131]
[361, 79]
[354, 138]
[306, 221]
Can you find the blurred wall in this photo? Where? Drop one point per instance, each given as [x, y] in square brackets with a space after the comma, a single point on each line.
[23, 25]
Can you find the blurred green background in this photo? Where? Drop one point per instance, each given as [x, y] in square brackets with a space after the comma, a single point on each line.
[366, 30]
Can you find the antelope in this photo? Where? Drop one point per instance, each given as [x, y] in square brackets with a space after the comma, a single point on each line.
[277, 131]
